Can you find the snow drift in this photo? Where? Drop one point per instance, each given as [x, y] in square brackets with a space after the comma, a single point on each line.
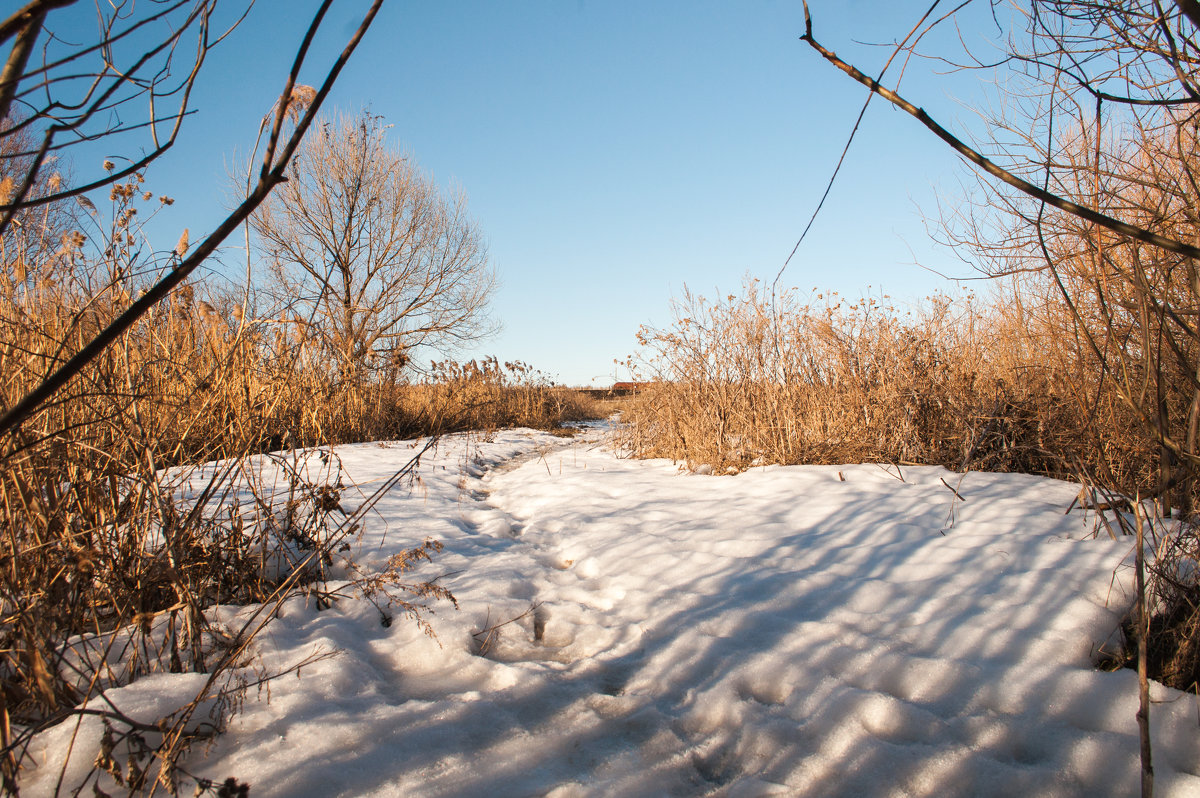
[629, 629]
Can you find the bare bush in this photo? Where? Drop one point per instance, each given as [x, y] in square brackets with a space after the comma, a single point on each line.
[110, 562]
[118, 537]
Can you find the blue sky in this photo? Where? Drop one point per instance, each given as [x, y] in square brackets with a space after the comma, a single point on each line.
[614, 152]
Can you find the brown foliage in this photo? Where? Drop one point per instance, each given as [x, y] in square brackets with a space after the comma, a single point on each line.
[957, 383]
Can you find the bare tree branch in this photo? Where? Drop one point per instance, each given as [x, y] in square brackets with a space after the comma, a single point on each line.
[49, 101]
[25, 24]
[13, 417]
[1192, 9]
[977, 158]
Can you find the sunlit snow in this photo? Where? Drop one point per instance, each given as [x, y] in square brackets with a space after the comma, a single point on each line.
[797, 631]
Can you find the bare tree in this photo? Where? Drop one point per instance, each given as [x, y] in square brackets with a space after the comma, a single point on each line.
[371, 256]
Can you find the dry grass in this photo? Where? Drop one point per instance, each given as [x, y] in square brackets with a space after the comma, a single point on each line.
[489, 395]
[117, 539]
[957, 383]
[110, 559]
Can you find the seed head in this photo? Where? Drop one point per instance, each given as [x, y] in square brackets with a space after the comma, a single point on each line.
[299, 101]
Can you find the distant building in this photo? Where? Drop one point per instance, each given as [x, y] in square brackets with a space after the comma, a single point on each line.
[626, 388]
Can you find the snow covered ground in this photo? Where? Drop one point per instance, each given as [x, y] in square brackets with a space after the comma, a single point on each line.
[786, 631]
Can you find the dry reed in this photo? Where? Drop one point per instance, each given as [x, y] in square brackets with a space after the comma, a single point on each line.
[746, 380]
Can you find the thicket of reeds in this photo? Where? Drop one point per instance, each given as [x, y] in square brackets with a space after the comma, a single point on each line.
[115, 543]
[957, 382]
[487, 395]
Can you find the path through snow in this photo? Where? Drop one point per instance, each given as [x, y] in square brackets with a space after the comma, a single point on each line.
[780, 632]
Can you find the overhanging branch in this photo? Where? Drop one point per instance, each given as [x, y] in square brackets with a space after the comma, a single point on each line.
[977, 158]
[1191, 9]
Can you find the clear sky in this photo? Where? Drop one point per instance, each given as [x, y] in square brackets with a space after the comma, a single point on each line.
[614, 151]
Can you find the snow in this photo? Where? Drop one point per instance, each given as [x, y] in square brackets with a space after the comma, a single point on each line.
[799, 631]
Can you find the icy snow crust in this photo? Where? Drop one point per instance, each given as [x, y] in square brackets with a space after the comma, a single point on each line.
[778, 632]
